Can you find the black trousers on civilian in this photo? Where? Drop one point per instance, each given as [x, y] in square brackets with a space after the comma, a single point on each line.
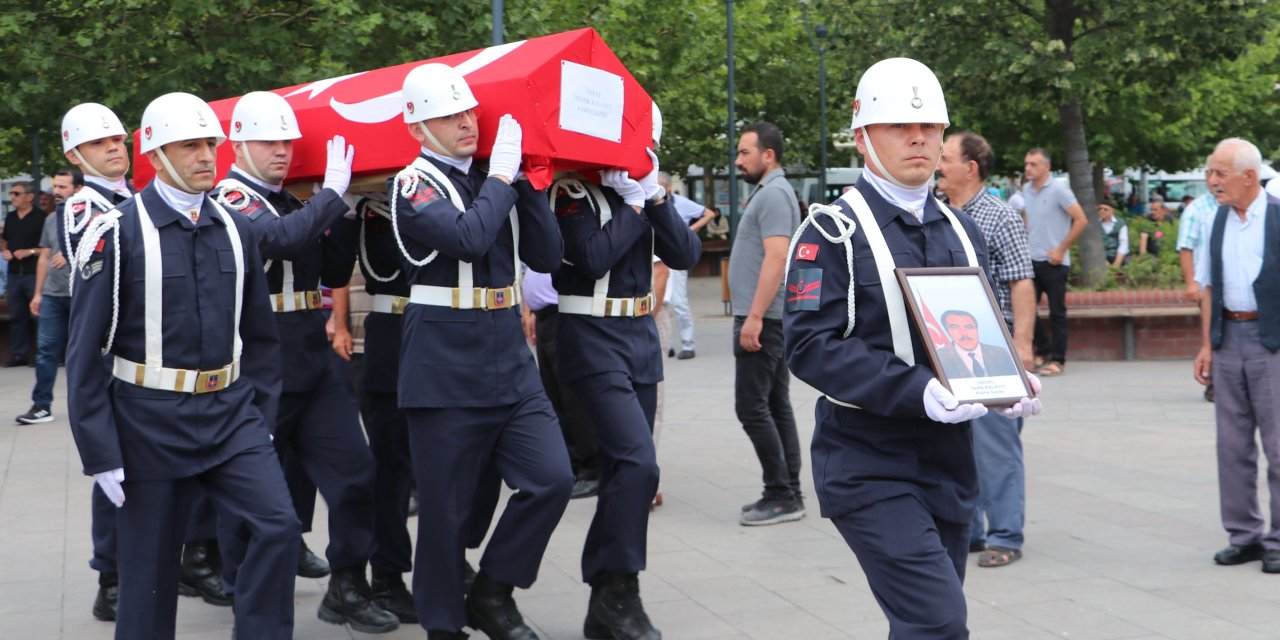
[579, 431]
[914, 564]
[22, 325]
[762, 399]
[1051, 281]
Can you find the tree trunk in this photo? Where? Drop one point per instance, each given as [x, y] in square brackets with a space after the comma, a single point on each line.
[1099, 181]
[1093, 264]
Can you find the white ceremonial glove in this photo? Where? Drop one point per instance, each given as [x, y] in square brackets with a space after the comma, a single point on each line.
[337, 173]
[941, 406]
[110, 483]
[650, 182]
[505, 160]
[630, 190]
[1026, 407]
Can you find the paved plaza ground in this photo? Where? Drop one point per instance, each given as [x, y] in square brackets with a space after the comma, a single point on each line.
[1122, 521]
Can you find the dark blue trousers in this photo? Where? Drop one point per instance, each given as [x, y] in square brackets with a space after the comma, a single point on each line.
[622, 412]
[302, 491]
[389, 440]
[915, 565]
[102, 527]
[321, 429]
[453, 450]
[248, 489]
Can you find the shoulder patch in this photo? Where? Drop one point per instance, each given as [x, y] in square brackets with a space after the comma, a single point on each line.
[804, 289]
[90, 269]
[424, 195]
[807, 252]
[242, 201]
[567, 206]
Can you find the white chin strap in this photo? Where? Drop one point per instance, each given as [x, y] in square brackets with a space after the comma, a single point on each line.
[422, 126]
[177, 179]
[875, 159]
[88, 168]
[251, 167]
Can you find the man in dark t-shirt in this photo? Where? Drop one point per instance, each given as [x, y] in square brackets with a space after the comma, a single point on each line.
[20, 247]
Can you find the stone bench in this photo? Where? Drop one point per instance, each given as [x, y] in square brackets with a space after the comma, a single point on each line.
[1159, 322]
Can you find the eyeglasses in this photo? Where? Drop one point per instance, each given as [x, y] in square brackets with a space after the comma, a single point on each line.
[17, 192]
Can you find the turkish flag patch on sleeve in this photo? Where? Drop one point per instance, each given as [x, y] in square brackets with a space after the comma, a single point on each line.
[803, 290]
[807, 252]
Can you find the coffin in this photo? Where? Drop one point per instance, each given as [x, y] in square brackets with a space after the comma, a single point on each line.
[578, 106]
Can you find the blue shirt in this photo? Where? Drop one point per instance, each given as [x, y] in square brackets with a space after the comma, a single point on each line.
[538, 292]
[1242, 242]
[1194, 224]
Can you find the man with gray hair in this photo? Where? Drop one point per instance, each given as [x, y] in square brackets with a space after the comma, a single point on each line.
[1239, 280]
[696, 216]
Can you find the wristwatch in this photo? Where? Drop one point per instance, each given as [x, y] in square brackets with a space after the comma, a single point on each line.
[659, 196]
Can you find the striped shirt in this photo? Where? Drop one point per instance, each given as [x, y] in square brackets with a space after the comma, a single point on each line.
[1006, 237]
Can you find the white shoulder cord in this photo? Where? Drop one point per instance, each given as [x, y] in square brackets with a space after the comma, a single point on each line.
[96, 229]
[383, 210]
[90, 198]
[845, 226]
[579, 190]
[231, 184]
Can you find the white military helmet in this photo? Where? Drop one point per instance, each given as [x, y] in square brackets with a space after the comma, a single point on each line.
[262, 115]
[434, 91]
[899, 91]
[657, 125]
[88, 122]
[178, 116]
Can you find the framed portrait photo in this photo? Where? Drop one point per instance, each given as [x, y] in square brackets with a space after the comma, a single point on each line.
[969, 345]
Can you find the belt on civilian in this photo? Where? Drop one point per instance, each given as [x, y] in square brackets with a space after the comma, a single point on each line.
[385, 303]
[486, 299]
[613, 307]
[1243, 316]
[296, 301]
[180, 380]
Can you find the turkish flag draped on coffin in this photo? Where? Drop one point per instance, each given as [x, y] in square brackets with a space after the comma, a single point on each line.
[578, 105]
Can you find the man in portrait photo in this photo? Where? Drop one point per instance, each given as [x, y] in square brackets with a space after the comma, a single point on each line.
[966, 357]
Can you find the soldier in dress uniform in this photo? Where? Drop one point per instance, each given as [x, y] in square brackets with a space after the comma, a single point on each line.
[610, 355]
[173, 369]
[468, 383]
[892, 453]
[305, 246]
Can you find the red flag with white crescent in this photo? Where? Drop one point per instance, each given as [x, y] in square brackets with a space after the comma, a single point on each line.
[937, 335]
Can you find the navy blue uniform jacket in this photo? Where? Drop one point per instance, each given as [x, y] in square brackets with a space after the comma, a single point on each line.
[624, 247]
[471, 357]
[321, 245]
[155, 434]
[382, 331]
[888, 447]
[111, 196]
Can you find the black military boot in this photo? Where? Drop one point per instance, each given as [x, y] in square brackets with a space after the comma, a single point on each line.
[492, 610]
[104, 606]
[390, 593]
[199, 576]
[468, 574]
[615, 605]
[447, 635]
[309, 564]
[349, 600]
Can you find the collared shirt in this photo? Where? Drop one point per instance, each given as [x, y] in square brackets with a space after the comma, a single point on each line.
[1242, 249]
[1048, 222]
[538, 292]
[1006, 243]
[1195, 223]
[56, 280]
[970, 357]
[772, 210]
[1122, 240]
[687, 209]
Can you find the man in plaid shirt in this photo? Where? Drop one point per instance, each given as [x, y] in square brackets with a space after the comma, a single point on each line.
[997, 443]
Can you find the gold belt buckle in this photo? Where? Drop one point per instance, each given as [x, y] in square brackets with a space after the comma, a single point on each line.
[499, 298]
[314, 301]
[643, 306]
[210, 381]
[398, 304]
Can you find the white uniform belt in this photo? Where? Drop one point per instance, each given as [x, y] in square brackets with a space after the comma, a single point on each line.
[296, 301]
[180, 380]
[385, 303]
[613, 307]
[487, 299]
[842, 404]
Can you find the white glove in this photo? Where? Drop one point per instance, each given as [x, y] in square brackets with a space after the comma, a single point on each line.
[650, 182]
[505, 160]
[941, 406]
[110, 483]
[337, 173]
[630, 190]
[1026, 407]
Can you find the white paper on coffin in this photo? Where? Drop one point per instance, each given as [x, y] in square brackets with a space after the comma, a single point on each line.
[591, 101]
